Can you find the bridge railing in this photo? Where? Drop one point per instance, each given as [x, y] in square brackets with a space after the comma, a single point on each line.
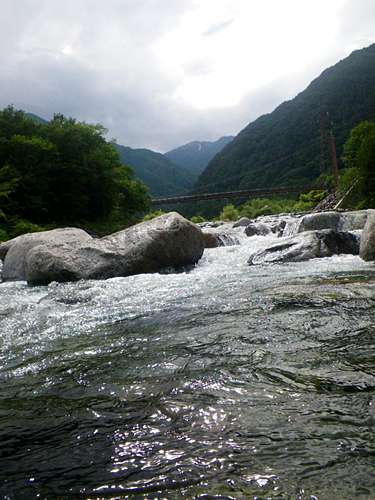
[237, 194]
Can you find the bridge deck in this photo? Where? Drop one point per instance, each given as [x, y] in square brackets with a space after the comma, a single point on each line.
[236, 194]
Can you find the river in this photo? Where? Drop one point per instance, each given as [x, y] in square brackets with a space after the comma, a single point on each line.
[222, 382]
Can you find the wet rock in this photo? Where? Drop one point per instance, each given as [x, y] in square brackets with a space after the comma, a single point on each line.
[354, 221]
[13, 252]
[243, 222]
[367, 247]
[164, 242]
[319, 221]
[219, 239]
[278, 228]
[258, 229]
[337, 221]
[306, 246]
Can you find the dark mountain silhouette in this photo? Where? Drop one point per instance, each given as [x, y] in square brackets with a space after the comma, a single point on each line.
[36, 118]
[163, 177]
[292, 145]
[196, 155]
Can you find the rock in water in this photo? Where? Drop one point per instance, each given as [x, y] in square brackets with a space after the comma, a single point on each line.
[243, 222]
[166, 241]
[257, 229]
[13, 252]
[337, 221]
[305, 246]
[367, 247]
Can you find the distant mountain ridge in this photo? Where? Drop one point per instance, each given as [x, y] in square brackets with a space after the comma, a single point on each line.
[196, 155]
[36, 118]
[162, 176]
[291, 145]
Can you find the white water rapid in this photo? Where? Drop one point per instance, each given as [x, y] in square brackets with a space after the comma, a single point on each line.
[226, 381]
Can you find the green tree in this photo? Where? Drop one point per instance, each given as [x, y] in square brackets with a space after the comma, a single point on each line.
[229, 212]
[359, 156]
[29, 166]
[63, 171]
[131, 195]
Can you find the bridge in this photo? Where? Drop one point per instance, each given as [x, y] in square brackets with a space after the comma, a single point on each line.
[237, 194]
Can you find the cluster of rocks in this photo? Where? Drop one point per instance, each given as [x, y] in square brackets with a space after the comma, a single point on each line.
[306, 246]
[71, 254]
[314, 235]
[219, 234]
[172, 242]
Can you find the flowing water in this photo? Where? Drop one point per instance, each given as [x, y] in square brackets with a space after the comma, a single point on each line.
[222, 382]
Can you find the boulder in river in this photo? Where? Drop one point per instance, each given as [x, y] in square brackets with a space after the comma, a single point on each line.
[257, 229]
[13, 252]
[243, 222]
[367, 247]
[337, 221]
[305, 246]
[214, 239]
[164, 242]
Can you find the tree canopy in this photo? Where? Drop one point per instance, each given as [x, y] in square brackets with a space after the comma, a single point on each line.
[63, 171]
[359, 156]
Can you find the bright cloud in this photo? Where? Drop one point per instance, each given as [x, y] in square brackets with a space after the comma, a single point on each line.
[161, 73]
[245, 46]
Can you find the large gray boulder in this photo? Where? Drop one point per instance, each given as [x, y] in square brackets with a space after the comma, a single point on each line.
[337, 221]
[319, 221]
[13, 252]
[306, 246]
[166, 241]
[367, 247]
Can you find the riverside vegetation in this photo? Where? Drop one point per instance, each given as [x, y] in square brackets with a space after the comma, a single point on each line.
[60, 173]
[64, 172]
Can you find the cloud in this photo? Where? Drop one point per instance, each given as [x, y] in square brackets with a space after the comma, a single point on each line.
[161, 73]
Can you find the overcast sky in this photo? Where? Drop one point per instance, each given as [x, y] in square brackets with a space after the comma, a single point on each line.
[161, 73]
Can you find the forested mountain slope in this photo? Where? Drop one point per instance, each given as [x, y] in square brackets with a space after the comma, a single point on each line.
[291, 145]
[163, 177]
[196, 155]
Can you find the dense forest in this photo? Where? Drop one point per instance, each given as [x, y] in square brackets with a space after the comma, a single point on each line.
[62, 172]
[163, 177]
[292, 145]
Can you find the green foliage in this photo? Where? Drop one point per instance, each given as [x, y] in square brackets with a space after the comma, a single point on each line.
[229, 212]
[326, 180]
[165, 178]
[197, 219]
[313, 197]
[264, 206]
[4, 236]
[359, 156]
[13, 227]
[257, 207]
[63, 171]
[348, 177]
[153, 215]
[23, 226]
[303, 206]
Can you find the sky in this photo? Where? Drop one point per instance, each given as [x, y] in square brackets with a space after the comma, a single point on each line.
[159, 74]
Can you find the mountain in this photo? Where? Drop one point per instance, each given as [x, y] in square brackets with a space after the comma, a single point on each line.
[163, 177]
[292, 145]
[196, 155]
[36, 118]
